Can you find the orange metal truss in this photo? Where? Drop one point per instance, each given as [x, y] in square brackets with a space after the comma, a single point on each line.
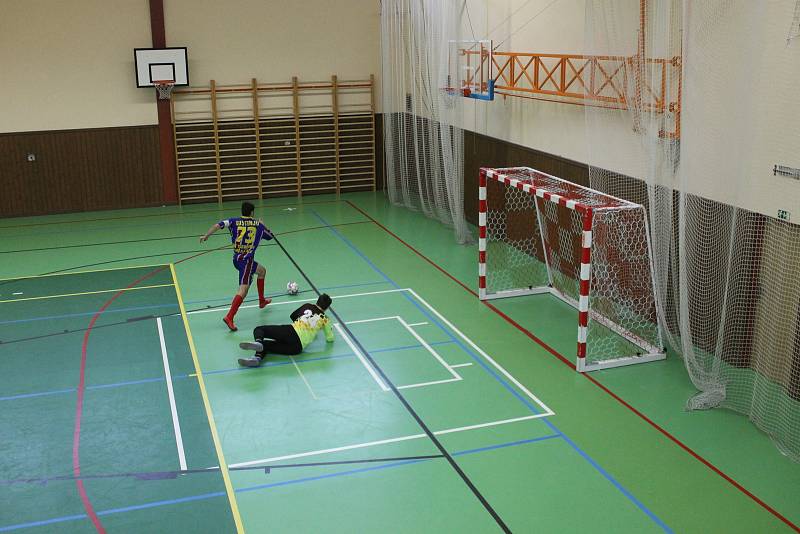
[606, 81]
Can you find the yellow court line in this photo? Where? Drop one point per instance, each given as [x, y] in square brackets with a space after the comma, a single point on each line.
[136, 288]
[223, 465]
[82, 272]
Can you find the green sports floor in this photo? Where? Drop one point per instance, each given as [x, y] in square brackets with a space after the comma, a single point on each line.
[122, 407]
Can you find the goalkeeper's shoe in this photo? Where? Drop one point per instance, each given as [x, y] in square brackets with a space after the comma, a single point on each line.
[255, 361]
[252, 345]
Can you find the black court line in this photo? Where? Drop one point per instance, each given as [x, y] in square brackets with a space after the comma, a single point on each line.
[446, 455]
[136, 319]
[217, 210]
[199, 252]
[167, 475]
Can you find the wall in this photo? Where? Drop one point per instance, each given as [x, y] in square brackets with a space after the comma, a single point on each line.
[739, 115]
[68, 65]
[236, 40]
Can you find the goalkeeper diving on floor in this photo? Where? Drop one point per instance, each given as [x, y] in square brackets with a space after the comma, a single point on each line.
[290, 339]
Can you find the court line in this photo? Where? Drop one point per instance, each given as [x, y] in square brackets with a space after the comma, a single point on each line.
[123, 290]
[176, 425]
[453, 464]
[207, 373]
[423, 344]
[76, 432]
[260, 486]
[588, 376]
[143, 267]
[361, 358]
[300, 301]
[389, 466]
[385, 441]
[224, 302]
[209, 414]
[454, 366]
[418, 324]
[179, 214]
[310, 390]
[605, 474]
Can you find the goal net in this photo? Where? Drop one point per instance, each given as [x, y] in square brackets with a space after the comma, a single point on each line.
[542, 234]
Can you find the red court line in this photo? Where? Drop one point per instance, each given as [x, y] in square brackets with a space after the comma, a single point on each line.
[76, 436]
[589, 377]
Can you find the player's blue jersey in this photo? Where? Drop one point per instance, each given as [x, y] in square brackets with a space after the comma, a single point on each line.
[246, 234]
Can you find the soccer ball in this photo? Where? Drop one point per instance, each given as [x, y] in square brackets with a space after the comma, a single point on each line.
[292, 288]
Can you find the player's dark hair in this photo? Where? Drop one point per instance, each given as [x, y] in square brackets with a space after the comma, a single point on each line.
[324, 302]
[247, 209]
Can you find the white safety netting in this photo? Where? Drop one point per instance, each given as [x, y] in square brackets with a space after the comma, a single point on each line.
[726, 269]
[424, 151]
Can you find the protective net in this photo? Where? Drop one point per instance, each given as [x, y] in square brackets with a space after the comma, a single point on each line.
[424, 150]
[544, 234]
[701, 160]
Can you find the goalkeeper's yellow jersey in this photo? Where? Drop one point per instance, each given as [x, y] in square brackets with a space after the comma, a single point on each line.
[308, 319]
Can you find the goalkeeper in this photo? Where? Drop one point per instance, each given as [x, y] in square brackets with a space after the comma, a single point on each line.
[290, 339]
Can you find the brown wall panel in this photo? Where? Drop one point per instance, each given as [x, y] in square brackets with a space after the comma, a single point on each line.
[79, 170]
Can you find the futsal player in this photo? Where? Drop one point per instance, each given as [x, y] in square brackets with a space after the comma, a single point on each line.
[246, 234]
[290, 339]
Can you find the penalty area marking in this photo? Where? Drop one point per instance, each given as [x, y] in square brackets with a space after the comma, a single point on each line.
[423, 302]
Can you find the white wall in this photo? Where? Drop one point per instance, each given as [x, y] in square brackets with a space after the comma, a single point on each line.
[69, 64]
[233, 41]
[53, 51]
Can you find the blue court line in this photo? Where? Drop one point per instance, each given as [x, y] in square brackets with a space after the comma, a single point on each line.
[206, 373]
[388, 465]
[90, 313]
[153, 306]
[259, 486]
[572, 444]
[318, 358]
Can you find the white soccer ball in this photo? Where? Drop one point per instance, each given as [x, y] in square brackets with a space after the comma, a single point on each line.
[292, 288]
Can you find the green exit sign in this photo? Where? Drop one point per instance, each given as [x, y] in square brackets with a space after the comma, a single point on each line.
[784, 215]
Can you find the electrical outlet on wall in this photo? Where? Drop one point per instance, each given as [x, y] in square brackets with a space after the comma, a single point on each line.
[31, 157]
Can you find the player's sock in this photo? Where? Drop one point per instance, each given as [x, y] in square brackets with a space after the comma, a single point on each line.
[228, 319]
[261, 300]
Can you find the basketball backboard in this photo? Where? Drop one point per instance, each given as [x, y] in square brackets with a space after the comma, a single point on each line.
[153, 64]
[471, 69]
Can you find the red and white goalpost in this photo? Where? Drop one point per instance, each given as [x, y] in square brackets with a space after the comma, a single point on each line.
[542, 234]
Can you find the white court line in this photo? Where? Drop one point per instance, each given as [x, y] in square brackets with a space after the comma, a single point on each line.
[17, 293]
[429, 348]
[300, 302]
[456, 376]
[461, 365]
[488, 358]
[384, 441]
[176, 425]
[433, 383]
[418, 324]
[361, 357]
[303, 377]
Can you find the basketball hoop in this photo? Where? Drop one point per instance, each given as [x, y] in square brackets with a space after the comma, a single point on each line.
[164, 88]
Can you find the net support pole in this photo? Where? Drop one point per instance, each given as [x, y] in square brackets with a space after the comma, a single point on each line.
[482, 234]
[585, 282]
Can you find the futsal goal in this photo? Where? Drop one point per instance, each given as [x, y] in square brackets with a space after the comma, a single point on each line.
[542, 234]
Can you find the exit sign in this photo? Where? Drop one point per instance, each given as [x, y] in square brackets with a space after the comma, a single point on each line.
[784, 215]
